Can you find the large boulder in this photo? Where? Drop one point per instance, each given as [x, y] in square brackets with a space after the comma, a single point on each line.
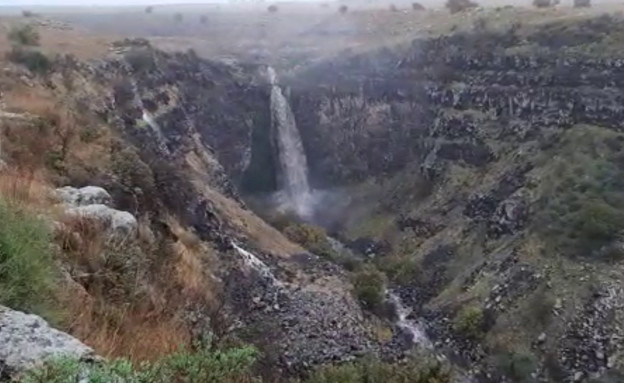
[26, 341]
[87, 195]
[120, 222]
[92, 202]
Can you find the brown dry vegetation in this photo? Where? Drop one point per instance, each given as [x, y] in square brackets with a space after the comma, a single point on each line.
[71, 40]
[122, 297]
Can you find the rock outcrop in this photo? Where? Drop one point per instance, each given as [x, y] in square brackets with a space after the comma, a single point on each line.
[27, 341]
[91, 202]
[88, 195]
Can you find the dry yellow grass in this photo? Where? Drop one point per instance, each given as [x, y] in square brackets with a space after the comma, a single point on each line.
[192, 262]
[26, 189]
[79, 42]
[140, 335]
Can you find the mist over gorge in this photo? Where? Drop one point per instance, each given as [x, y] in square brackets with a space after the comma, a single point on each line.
[312, 193]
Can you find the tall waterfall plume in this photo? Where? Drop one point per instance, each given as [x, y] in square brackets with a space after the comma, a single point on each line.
[294, 167]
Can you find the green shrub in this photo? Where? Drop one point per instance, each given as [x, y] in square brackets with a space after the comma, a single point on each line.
[597, 222]
[517, 366]
[538, 310]
[313, 238]
[141, 60]
[203, 366]
[402, 269]
[32, 59]
[132, 171]
[24, 35]
[26, 265]
[582, 204]
[469, 322]
[542, 3]
[369, 287]
[369, 370]
[455, 6]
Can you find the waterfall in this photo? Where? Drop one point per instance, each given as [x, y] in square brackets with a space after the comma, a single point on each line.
[413, 327]
[292, 159]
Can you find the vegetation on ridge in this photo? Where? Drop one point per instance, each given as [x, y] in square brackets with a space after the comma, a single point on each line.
[203, 366]
[27, 273]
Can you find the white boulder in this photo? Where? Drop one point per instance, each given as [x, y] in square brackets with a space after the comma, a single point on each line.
[26, 341]
[87, 195]
[120, 222]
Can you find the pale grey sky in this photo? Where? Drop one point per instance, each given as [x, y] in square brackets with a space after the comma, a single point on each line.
[21, 3]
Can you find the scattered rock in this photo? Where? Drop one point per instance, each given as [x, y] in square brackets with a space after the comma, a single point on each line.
[508, 218]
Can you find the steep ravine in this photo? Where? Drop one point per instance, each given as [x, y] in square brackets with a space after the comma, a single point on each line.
[460, 155]
[442, 152]
[480, 172]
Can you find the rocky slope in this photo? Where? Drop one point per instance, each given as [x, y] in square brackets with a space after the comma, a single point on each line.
[482, 173]
[229, 276]
[493, 158]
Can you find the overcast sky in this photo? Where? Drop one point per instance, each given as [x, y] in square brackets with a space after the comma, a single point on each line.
[22, 3]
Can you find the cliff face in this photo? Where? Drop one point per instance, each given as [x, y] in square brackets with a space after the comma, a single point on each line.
[490, 152]
[197, 139]
[174, 135]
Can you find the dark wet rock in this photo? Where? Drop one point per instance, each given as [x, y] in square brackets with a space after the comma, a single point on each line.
[369, 247]
[299, 326]
[419, 227]
[592, 336]
[509, 217]
[480, 207]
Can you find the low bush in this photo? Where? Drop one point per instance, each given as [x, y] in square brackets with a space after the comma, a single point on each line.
[141, 60]
[272, 8]
[369, 284]
[313, 238]
[131, 171]
[402, 269]
[369, 370]
[24, 35]
[517, 366]
[418, 7]
[343, 9]
[203, 366]
[469, 322]
[456, 6]
[34, 60]
[542, 3]
[582, 3]
[582, 204]
[27, 272]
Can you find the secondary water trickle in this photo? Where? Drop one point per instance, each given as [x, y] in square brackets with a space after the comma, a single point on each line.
[293, 164]
[412, 327]
[255, 263]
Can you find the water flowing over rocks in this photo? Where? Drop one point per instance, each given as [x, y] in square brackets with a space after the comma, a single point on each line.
[410, 326]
